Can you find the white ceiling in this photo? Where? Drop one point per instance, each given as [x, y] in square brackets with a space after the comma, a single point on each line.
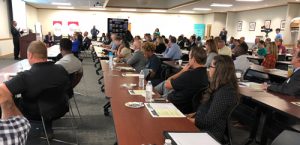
[172, 6]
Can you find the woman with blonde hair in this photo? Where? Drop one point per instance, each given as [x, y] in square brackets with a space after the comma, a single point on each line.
[160, 45]
[272, 56]
[211, 50]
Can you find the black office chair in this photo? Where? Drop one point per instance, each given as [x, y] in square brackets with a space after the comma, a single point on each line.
[287, 137]
[57, 39]
[281, 58]
[255, 76]
[197, 98]
[53, 104]
[228, 133]
[185, 57]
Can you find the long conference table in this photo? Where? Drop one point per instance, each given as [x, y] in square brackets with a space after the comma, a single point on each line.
[272, 101]
[136, 126]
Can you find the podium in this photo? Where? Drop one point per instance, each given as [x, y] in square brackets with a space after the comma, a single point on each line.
[24, 43]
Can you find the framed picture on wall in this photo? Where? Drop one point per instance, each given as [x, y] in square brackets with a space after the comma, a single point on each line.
[252, 26]
[268, 24]
[282, 25]
[239, 25]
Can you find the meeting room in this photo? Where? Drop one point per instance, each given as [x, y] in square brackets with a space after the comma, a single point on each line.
[150, 72]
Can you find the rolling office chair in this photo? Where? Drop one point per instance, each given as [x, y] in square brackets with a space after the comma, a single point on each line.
[53, 104]
[287, 138]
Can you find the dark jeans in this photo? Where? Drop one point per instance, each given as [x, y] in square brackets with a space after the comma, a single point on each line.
[16, 47]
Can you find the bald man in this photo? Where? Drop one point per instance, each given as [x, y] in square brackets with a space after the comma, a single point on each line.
[31, 83]
[137, 60]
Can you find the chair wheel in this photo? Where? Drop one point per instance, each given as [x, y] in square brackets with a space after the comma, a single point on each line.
[106, 113]
[97, 73]
[102, 90]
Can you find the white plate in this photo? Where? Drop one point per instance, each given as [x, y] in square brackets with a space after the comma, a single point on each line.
[134, 104]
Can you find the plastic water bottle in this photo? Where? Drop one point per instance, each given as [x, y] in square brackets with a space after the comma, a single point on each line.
[168, 142]
[149, 89]
[141, 80]
[110, 61]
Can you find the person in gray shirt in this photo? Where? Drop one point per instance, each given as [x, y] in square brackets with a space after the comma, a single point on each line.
[137, 60]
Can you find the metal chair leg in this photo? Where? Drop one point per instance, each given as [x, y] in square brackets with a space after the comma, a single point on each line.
[77, 108]
[45, 131]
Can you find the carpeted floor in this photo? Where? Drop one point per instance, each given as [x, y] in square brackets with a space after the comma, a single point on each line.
[95, 128]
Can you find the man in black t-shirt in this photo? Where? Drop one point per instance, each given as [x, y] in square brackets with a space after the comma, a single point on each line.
[31, 83]
[181, 87]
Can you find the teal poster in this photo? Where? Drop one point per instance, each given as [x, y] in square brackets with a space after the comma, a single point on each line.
[199, 30]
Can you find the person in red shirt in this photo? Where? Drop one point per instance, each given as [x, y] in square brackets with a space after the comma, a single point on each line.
[281, 48]
[271, 58]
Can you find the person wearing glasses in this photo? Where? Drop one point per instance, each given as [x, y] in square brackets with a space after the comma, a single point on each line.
[221, 95]
[181, 87]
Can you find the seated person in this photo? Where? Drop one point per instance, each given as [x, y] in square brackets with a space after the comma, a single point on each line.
[68, 61]
[173, 52]
[75, 45]
[124, 51]
[181, 87]
[153, 65]
[262, 51]
[49, 39]
[86, 41]
[221, 95]
[160, 45]
[242, 62]
[271, 58]
[211, 50]
[30, 83]
[14, 127]
[254, 47]
[292, 85]
[112, 46]
[281, 48]
[137, 60]
[223, 49]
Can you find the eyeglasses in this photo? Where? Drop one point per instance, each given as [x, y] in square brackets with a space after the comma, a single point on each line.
[212, 66]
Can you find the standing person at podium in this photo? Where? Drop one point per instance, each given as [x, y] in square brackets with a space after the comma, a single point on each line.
[16, 33]
[94, 33]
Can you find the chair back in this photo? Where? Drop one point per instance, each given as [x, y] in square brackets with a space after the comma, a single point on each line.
[228, 133]
[197, 97]
[53, 103]
[287, 137]
[75, 78]
[255, 76]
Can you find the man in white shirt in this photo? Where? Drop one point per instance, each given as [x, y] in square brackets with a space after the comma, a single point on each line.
[223, 49]
[69, 61]
[241, 62]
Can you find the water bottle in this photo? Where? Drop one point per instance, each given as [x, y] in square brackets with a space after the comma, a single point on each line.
[110, 61]
[149, 89]
[141, 80]
[168, 142]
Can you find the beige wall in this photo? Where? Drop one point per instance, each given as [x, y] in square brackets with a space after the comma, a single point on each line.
[31, 17]
[6, 45]
[141, 23]
[275, 14]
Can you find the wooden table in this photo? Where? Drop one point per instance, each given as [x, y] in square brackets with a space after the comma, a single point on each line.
[136, 126]
[274, 72]
[14, 68]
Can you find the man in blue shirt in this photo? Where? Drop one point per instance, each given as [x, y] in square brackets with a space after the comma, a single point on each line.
[173, 52]
[278, 35]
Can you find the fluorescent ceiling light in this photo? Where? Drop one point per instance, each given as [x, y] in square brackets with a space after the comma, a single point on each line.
[220, 5]
[131, 10]
[97, 9]
[186, 12]
[159, 11]
[249, 0]
[62, 4]
[201, 9]
[65, 7]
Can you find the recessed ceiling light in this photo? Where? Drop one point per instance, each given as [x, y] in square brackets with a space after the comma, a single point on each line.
[130, 10]
[97, 9]
[158, 11]
[62, 4]
[201, 9]
[65, 7]
[186, 12]
[220, 5]
[249, 0]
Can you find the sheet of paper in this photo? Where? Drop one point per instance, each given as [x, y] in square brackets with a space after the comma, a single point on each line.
[252, 85]
[163, 110]
[130, 75]
[125, 68]
[193, 139]
[296, 103]
[139, 92]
